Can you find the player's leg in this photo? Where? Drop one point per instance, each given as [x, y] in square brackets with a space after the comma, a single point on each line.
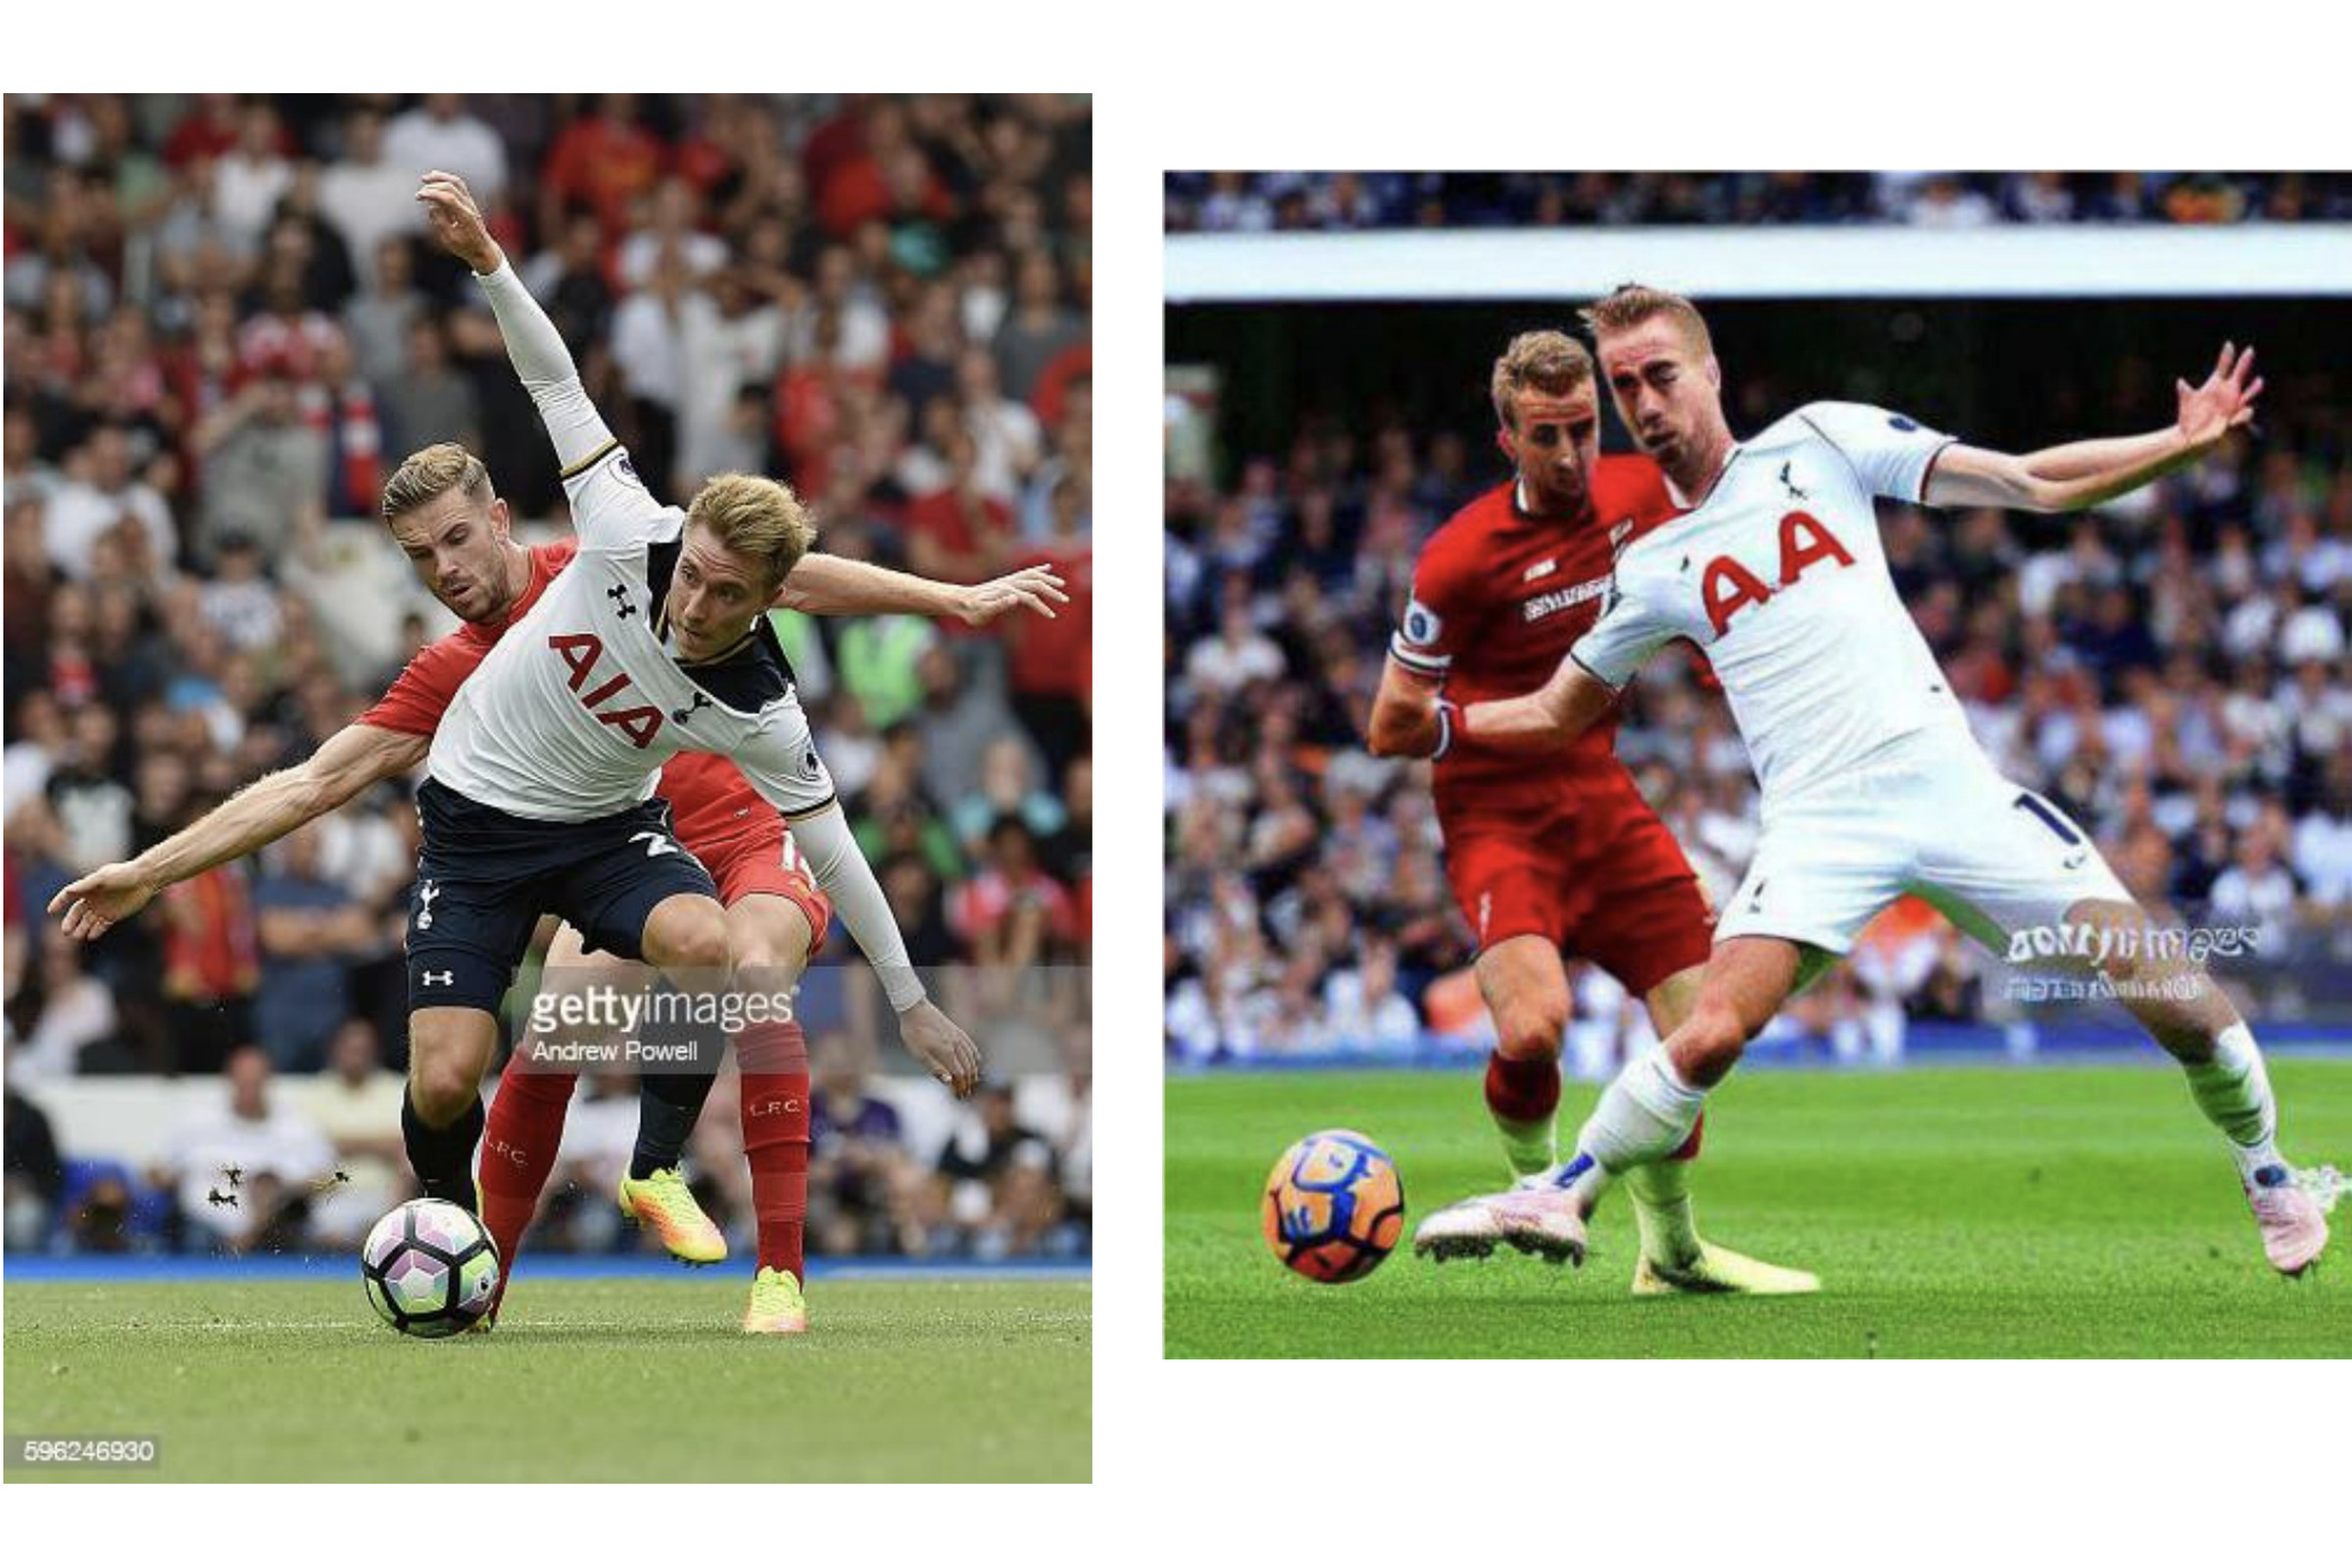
[526, 1116]
[465, 938]
[769, 936]
[2008, 865]
[2187, 1014]
[441, 1115]
[639, 896]
[1526, 990]
[686, 939]
[1647, 1112]
[1661, 1189]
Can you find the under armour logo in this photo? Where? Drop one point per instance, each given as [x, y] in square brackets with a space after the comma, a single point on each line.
[1755, 899]
[683, 714]
[444, 977]
[424, 906]
[619, 593]
[1791, 483]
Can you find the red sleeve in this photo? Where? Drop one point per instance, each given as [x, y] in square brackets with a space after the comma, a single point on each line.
[421, 695]
[1439, 611]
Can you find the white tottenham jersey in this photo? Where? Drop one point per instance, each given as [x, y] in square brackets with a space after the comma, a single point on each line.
[1779, 575]
[573, 712]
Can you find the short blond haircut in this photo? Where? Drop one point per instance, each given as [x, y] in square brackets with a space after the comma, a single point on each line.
[1629, 305]
[430, 473]
[1551, 362]
[755, 517]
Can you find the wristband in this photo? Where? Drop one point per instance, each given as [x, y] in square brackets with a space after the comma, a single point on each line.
[1447, 720]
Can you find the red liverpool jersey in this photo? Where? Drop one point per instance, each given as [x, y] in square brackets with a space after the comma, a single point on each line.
[709, 795]
[1498, 598]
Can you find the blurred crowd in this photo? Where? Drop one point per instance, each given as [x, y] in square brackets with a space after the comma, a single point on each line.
[226, 327]
[2172, 669]
[1261, 203]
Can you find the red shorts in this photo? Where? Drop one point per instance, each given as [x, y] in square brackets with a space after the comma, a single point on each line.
[1613, 888]
[764, 859]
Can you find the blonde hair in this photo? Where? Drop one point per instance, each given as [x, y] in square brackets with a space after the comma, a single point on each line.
[757, 517]
[1551, 362]
[432, 473]
[1629, 305]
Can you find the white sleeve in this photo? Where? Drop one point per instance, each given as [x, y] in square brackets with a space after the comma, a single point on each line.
[830, 851]
[1622, 640]
[1890, 453]
[544, 363]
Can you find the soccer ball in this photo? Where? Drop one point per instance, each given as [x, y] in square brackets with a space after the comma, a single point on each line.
[430, 1268]
[1334, 1207]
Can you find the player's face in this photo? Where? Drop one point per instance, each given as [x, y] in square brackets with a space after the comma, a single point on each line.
[1555, 442]
[457, 546]
[1665, 386]
[714, 595]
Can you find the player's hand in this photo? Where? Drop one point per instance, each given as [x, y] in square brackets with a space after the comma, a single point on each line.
[456, 223]
[945, 1052]
[107, 895]
[1036, 588]
[2225, 403]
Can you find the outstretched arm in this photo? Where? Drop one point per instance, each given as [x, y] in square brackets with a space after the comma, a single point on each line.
[830, 850]
[2083, 473]
[266, 811]
[533, 344]
[1572, 702]
[834, 585]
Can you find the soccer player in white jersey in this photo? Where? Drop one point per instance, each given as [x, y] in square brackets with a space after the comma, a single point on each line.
[1873, 786]
[542, 773]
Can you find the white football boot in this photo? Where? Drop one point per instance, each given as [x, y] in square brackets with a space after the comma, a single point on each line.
[1537, 1218]
[2290, 1209]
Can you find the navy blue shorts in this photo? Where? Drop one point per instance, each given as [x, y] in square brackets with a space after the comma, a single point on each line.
[484, 877]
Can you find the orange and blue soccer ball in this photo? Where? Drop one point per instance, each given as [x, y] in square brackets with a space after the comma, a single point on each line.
[1334, 1207]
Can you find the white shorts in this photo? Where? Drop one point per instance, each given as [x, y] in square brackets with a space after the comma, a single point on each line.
[1930, 815]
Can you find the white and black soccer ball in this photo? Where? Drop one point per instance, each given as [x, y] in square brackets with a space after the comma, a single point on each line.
[430, 1270]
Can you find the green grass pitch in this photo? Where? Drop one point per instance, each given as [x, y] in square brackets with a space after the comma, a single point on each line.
[1960, 1212]
[583, 1380]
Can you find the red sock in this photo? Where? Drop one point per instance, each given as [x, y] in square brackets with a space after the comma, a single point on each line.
[1689, 1147]
[1522, 1091]
[519, 1150]
[773, 1059]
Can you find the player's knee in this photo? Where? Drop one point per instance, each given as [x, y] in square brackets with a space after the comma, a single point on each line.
[695, 938]
[442, 1086]
[1532, 1031]
[1708, 1044]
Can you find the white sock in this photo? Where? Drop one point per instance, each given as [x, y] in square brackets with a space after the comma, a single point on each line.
[2233, 1091]
[1645, 1115]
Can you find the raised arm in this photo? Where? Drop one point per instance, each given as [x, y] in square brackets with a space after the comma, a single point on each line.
[533, 344]
[835, 585]
[264, 811]
[2083, 473]
[1572, 702]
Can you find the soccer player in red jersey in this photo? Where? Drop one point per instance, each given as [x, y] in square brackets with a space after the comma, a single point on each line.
[1565, 858]
[457, 534]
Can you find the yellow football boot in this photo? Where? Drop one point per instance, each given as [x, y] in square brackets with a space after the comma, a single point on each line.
[1720, 1271]
[664, 1205]
[777, 1305]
